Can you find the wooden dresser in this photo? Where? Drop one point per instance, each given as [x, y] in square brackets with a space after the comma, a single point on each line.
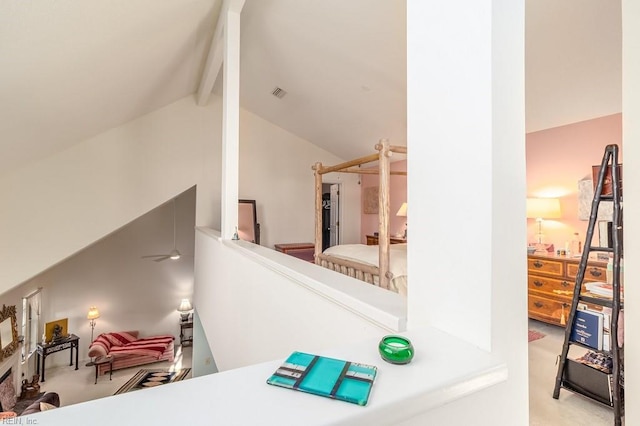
[551, 280]
[372, 240]
[302, 251]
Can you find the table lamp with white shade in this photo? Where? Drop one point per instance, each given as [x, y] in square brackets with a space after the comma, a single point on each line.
[402, 212]
[184, 309]
[541, 209]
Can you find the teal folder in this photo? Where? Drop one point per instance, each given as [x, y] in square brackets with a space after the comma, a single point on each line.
[329, 377]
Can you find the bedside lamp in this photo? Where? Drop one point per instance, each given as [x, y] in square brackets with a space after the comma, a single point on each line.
[92, 315]
[402, 212]
[540, 209]
[184, 309]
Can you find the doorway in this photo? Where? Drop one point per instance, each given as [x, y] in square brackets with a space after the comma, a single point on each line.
[330, 215]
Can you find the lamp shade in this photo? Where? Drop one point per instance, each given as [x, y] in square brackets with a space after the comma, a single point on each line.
[93, 313]
[185, 306]
[402, 211]
[543, 208]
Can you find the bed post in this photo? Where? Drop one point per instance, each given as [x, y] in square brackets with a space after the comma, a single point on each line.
[318, 241]
[383, 211]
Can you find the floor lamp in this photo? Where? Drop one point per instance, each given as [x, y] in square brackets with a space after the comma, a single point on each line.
[92, 316]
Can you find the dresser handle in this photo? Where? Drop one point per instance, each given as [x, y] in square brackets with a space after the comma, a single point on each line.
[595, 272]
[538, 264]
[538, 283]
[565, 284]
[538, 304]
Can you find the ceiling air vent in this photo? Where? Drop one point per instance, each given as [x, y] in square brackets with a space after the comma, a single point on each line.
[278, 93]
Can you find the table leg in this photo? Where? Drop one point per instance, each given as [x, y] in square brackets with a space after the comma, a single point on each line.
[77, 350]
[110, 369]
[37, 363]
[71, 356]
[44, 358]
[96, 382]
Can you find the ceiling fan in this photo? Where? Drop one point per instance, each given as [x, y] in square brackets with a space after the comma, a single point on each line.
[173, 254]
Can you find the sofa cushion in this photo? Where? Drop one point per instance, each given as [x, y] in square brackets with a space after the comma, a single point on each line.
[120, 338]
[50, 398]
[44, 406]
[101, 346]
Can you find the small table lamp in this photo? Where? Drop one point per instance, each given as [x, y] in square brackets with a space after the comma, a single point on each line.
[92, 316]
[540, 209]
[402, 211]
[184, 309]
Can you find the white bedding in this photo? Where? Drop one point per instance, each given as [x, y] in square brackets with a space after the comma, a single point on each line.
[369, 255]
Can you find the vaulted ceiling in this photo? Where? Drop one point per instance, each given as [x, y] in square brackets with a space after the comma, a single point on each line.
[70, 70]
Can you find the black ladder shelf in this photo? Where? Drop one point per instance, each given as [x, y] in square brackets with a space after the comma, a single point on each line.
[610, 171]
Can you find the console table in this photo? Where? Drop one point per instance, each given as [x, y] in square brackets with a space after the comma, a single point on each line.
[45, 349]
[184, 339]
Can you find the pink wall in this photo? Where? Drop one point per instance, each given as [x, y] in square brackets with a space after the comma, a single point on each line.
[557, 159]
[398, 195]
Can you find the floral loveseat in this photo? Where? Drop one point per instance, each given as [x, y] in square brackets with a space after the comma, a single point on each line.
[128, 350]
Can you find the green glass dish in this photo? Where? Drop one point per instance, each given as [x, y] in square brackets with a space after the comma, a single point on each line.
[396, 349]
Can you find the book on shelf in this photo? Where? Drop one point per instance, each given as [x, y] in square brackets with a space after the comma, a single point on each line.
[588, 328]
[606, 329]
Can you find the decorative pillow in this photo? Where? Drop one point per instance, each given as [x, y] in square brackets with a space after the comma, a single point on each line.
[44, 406]
[120, 338]
[8, 396]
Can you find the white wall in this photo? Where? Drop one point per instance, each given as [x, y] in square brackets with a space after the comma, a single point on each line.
[275, 170]
[252, 313]
[131, 293]
[55, 207]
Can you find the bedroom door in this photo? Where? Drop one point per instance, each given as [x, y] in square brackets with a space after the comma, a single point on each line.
[334, 222]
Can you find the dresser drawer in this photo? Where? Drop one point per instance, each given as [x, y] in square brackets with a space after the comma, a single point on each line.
[545, 266]
[548, 310]
[548, 285]
[591, 273]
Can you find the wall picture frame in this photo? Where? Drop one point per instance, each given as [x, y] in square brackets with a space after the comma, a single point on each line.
[370, 200]
[50, 326]
[8, 331]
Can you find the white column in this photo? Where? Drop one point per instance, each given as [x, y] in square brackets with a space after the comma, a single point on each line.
[230, 125]
[467, 182]
[465, 94]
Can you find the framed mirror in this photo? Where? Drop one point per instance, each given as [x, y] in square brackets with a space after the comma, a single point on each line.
[8, 331]
[248, 226]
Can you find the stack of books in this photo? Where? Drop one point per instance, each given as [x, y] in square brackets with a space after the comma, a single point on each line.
[600, 289]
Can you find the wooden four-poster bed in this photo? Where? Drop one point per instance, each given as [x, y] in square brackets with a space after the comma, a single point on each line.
[388, 270]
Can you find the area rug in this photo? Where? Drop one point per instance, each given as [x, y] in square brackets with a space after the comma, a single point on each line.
[535, 335]
[150, 378]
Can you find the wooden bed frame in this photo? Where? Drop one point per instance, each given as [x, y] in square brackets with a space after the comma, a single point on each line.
[351, 268]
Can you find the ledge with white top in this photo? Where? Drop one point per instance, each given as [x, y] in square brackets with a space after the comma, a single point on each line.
[443, 370]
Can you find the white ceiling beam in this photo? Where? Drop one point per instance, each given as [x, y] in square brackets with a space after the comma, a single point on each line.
[216, 52]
